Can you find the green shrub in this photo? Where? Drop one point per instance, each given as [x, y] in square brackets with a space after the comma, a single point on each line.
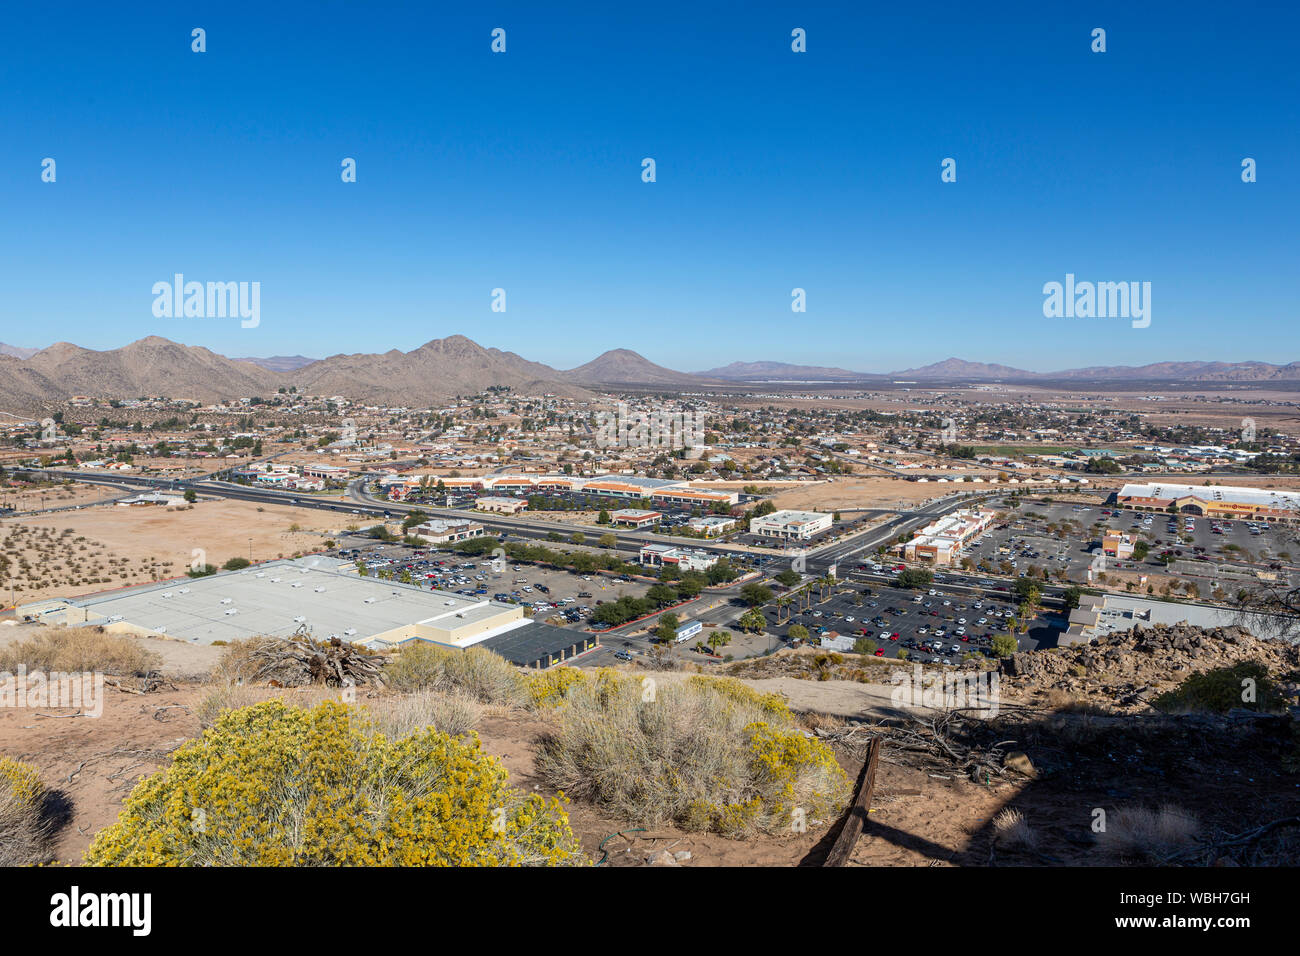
[1221, 690]
[1004, 645]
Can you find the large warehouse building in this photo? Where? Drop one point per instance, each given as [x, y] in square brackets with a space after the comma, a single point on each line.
[325, 596]
[1214, 501]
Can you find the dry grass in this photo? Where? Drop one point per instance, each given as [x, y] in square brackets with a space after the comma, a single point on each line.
[1013, 831]
[1064, 702]
[224, 697]
[450, 712]
[80, 649]
[475, 672]
[701, 753]
[1142, 834]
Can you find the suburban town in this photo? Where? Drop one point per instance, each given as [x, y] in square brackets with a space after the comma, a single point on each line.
[807, 542]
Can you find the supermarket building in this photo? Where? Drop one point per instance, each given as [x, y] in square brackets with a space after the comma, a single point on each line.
[1214, 501]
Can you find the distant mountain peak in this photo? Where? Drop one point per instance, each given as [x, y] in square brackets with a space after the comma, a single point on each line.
[625, 367]
[782, 372]
[457, 365]
[963, 369]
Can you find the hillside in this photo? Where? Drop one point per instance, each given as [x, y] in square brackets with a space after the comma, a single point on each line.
[150, 366]
[279, 363]
[436, 370]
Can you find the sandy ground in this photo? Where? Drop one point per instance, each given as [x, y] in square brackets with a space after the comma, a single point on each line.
[93, 764]
[846, 493]
[919, 818]
[22, 496]
[149, 538]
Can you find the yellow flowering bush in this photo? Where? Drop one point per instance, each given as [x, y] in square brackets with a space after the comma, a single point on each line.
[24, 830]
[276, 785]
[703, 753]
[773, 704]
[552, 688]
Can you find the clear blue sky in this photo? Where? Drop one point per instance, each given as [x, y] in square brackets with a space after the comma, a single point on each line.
[775, 170]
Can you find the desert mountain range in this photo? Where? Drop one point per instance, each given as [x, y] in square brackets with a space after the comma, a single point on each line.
[456, 365]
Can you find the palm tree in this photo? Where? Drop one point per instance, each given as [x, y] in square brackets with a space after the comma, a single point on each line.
[782, 604]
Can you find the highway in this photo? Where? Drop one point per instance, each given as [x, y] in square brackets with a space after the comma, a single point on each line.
[818, 560]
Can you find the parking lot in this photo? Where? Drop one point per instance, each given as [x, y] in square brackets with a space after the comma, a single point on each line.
[567, 595]
[1059, 536]
[939, 627]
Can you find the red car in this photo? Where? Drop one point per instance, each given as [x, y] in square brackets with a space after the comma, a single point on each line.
[880, 652]
[894, 636]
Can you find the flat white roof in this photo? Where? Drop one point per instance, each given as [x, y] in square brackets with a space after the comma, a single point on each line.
[1233, 494]
[793, 517]
[270, 598]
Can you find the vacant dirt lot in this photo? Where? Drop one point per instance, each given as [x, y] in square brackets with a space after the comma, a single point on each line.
[845, 493]
[23, 496]
[121, 546]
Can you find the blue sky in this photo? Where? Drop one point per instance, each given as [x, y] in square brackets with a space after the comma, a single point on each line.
[775, 170]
